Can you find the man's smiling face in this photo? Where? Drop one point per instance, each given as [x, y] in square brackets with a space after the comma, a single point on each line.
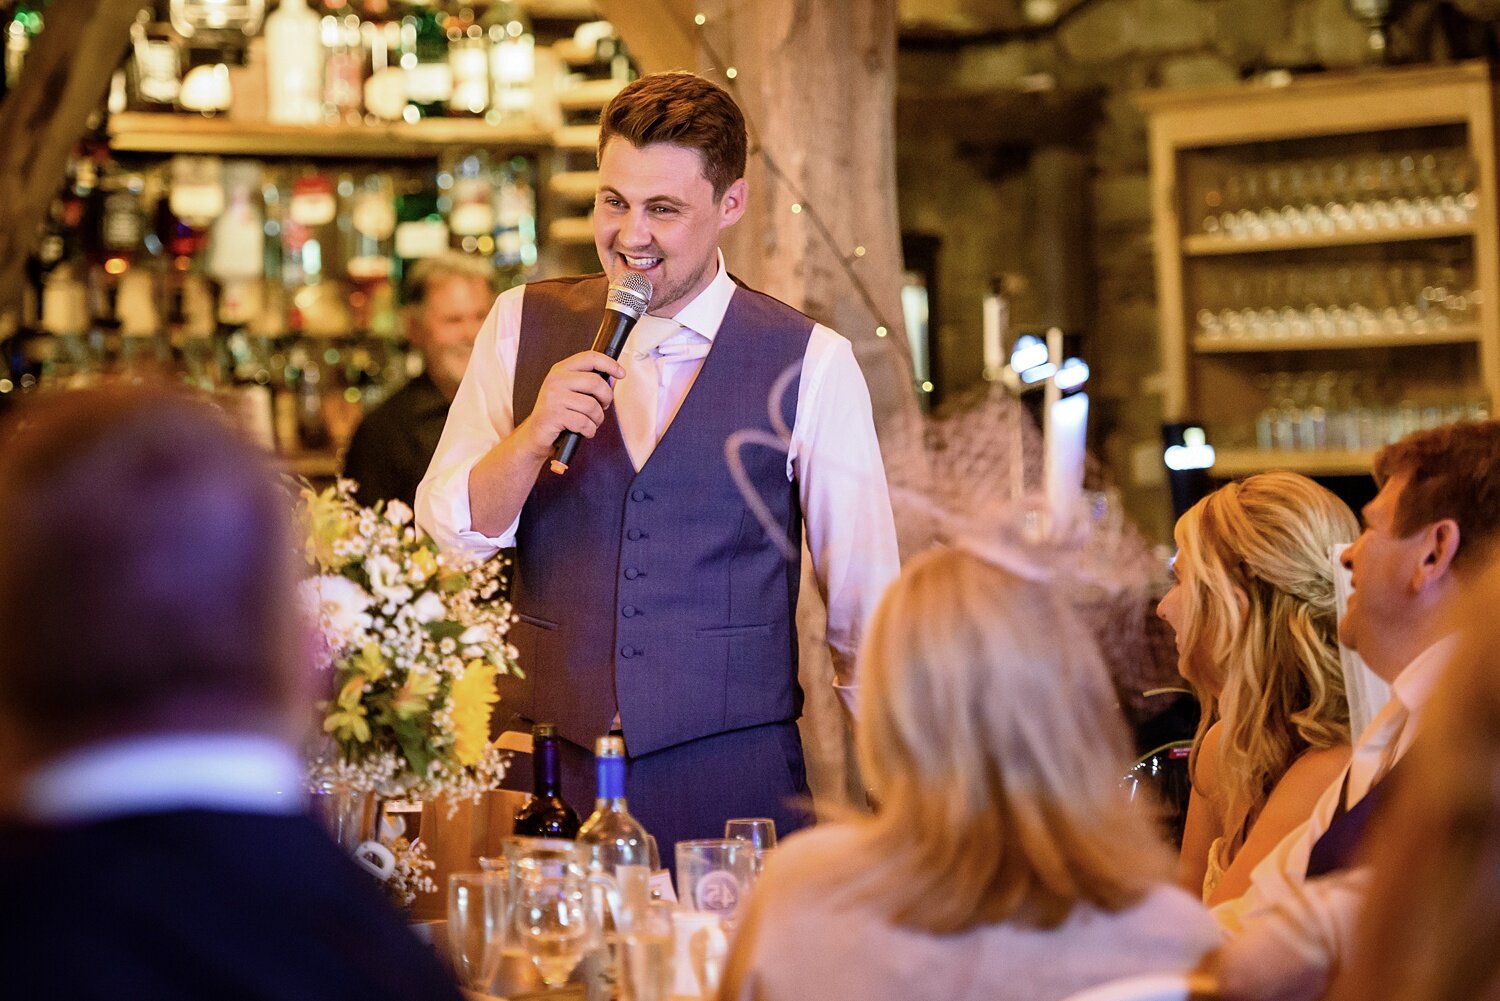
[656, 214]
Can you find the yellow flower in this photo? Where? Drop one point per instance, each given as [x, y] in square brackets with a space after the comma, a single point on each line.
[423, 565]
[349, 723]
[369, 663]
[473, 697]
[327, 524]
[415, 696]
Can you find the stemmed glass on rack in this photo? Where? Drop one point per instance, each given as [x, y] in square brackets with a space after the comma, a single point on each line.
[1373, 192]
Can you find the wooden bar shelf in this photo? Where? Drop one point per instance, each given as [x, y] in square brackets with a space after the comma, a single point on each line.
[1466, 334]
[1218, 245]
[1244, 461]
[138, 132]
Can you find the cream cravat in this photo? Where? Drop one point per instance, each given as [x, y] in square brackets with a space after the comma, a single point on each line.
[636, 395]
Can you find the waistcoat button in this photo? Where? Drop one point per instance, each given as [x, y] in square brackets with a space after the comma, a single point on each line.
[630, 611]
[634, 534]
[631, 573]
[628, 652]
[637, 495]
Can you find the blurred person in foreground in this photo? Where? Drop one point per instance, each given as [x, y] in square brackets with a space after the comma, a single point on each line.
[1004, 859]
[1430, 929]
[1428, 537]
[1254, 609]
[447, 299]
[153, 692]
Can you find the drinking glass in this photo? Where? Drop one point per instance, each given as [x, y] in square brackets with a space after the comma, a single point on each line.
[759, 831]
[714, 874]
[476, 926]
[647, 955]
[551, 916]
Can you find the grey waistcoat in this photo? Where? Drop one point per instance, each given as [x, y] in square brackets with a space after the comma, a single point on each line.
[659, 594]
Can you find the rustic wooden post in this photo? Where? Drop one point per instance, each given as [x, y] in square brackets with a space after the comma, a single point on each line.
[64, 81]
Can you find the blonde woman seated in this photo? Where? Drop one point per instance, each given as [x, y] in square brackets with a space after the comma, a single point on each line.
[1003, 860]
[1254, 611]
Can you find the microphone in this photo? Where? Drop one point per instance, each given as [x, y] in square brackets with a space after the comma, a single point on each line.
[627, 299]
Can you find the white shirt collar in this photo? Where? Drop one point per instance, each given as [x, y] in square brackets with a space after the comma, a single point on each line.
[1414, 685]
[705, 312]
[246, 773]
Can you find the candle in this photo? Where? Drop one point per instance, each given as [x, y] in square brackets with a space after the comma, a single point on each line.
[1067, 428]
[995, 320]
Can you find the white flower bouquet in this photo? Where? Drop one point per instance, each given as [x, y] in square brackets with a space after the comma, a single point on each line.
[411, 646]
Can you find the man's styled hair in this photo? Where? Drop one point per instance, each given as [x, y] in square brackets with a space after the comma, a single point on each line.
[429, 271]
[147, 572]
[1452, 472]
[685, 110]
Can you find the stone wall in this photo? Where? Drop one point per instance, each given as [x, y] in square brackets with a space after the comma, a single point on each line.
[980, 203]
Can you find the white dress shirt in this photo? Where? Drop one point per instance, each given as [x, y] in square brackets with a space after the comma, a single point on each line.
[242, 773]
[1288, 933]
[833, 454]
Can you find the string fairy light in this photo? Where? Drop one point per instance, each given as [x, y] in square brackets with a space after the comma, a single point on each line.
[801, 206]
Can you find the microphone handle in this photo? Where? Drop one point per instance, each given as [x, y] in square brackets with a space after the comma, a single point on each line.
[614, 328]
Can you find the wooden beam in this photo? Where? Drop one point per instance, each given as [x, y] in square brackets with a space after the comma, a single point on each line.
[64, 81]
[658, 33]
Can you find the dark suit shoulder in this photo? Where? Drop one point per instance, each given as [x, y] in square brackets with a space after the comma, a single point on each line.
[199, 904]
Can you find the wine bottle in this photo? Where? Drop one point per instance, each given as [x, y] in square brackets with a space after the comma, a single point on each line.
[468, 58]
[294, 46]
[512, 53]
[612, 836]
[546, 816]
[421, 228]
[429, 79]
[343, 69]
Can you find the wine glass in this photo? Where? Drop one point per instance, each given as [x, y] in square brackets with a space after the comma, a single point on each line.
[476, 926]
[648, 953]
[759, 831]
[550, 917]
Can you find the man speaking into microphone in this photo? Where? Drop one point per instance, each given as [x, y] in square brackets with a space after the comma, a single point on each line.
[651, 599]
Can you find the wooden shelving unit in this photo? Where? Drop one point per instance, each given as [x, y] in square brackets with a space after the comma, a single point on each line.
[1316, 125]
[1216, 245]
[1466, 334]
[134, 132]
[1244, 461]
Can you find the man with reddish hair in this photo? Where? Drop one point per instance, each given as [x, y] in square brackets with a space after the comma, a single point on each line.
[1429, 535]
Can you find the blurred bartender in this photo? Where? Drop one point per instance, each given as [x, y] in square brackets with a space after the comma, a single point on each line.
[447, 298]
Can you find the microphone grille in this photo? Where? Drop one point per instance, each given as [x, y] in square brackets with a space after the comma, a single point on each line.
[630, 293]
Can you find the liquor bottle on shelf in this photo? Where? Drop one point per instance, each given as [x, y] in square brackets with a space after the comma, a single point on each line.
[515, 220]
[512, 55]
[294, 46]
[472, 217]
[312, 266]
[546, 815]
[468, 57]
[429, 77]
[611, 836]
[194, 201]
[22, 26]
[237, 245]
[421, 230]
[343, 69]
[207, 87]
[154, 71]
[385, 86]
[370, 245]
